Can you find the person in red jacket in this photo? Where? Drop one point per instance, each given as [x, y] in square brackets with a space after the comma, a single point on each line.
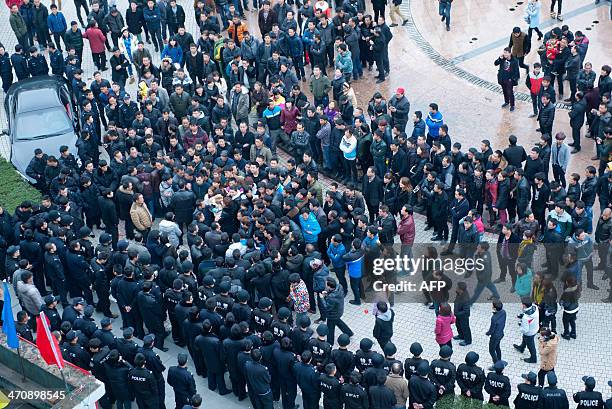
[534, 83]
[406, 232]
[96, 42]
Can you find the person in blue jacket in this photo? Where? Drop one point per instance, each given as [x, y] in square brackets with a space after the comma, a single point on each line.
[310, 227]
[354, 265]
[173, 51]
[320, 273]
[153, 20]
[335, 251]
[56, 60]
[434, 121]
[57, 26]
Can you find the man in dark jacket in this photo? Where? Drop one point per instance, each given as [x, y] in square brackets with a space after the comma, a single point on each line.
[155, 365]
[498, 385]
[144, 384]
[117, 372]
[150, 309]
[333, 302]
[258, 379]
[507, 76]
[421, 390]
[108, 214]
[372, 189]
[37, 63]
[507, 253]
[546, 116]
[470, 377]
[577, 115]
[181, 381]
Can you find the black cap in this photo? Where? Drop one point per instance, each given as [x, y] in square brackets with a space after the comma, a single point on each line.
[500, 365]
[446, 351]
[416, 349]
[390, 349]
[366, 344]
[128, 332]
[72, 334]
[105, 322]
[148, 339]
[78, 301]
[284, 313]
[531, 376]
[471, 358]
[264, 303]
[344, 340]
[589, 381]
[50, 299]
[423, 368]
[552, 378]
[322, 330]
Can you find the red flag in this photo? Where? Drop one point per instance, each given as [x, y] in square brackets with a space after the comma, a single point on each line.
[47, 344]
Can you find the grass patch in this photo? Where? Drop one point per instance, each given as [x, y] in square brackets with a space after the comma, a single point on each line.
[14, 189]
[461, 402]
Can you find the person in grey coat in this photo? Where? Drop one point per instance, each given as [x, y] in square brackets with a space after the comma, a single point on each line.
[560, 155]
[30, 297]
[239, 103]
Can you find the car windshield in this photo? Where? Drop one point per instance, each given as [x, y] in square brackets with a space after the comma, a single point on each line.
[43, 123]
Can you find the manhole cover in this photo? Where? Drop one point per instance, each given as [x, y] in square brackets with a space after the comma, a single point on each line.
[512, 8]
[519, 2]
[595, 21]
[474, 38]
[588, 28]
[471, 42]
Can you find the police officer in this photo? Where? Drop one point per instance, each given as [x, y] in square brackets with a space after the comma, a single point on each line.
[181, 381]
[269, 344]
[224, 301]
[390, 350]
[22, 327]
[101, 283]
[363, 357]
[262, 318]
[86, 324]
[127, 289]
[105, 333]
[231, 347]
[470, 377]
[370, 375]
[74, 311]
[280, 327]
[54, 268]
[285, 360]
[411, 364]
[497, 385]
[608, 404]
[172, 297]
[241, 309]
[589, 398]
[320, 348]
[529, 394]
[99, 355]
[300, 336]
[421, 390]
[307, 379]
[380, 395]
[37, 63]
[75, 353]
[553, 397]
[196, 402]
[126, 345]
[50, 310]
[330, 388]
[210, 349]
[155, 365]
[258, 379]
[354, 396]
[144, 384]
[443, 372]
[117, 372]
[343, 358]
[150, 309]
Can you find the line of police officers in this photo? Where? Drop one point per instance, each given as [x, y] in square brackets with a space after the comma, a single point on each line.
[269, 362]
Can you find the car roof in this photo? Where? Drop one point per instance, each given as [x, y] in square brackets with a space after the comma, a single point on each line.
[36, 93]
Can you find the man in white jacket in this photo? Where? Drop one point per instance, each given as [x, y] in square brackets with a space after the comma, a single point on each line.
[530, 322]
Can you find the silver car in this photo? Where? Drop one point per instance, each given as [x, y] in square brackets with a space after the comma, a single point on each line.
[42, 113]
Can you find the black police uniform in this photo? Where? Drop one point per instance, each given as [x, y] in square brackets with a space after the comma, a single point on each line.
[300, 339]
[232, 348]
[308, 380]
[210, 349]
[118, 380]
[267, 359]
[382, 397]
[497, 384]
[389, 363]
[153, 316]
[171, 299]
[363, 359]
[258, 379]
[242, 312]
[554, 398]
[98, 369]
[155, 365]
[321, 352]
[107, 337]
[76, 354]
[285, 360]
[443, 374]
[183, 384]
[528, 396]
[144, 385]
[70, 314]
[471, 378]
[421, 390]
[86, 325]
[370, 377]
[127, 349]
[354, 396]
[224, 304]
[330, 388]
[55, 321]
[280, 329]
[344, 361]
[262, 320]
[411, 365]
[588, 400]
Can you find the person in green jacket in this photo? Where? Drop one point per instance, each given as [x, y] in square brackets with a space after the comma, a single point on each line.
[19, 27]
[74, 39]
[524, 279]
[320, 86]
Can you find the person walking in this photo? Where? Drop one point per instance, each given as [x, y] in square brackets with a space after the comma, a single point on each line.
[333, 303]
[529, 324]
[462, 314]
[496, 331]
[444, 10]
[57, 26]
[97, 41]
[532, 17]
[507, 75]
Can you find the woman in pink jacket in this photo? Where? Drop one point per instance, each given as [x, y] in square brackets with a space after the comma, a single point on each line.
[444, 331]
[97, 40]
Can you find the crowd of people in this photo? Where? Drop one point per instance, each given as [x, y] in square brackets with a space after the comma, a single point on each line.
[177, 205]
